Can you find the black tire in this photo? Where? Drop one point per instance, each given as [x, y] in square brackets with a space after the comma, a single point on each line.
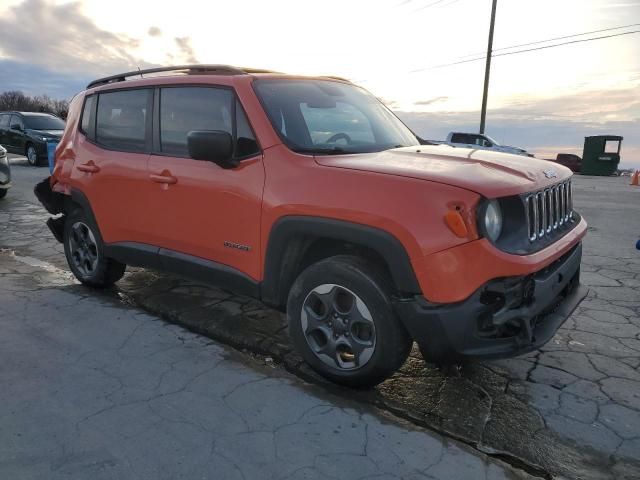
[32, 155]
[343, 275]
[3, 192]
[87, 261]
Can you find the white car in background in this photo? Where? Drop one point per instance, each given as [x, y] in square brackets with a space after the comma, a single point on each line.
[481, 142]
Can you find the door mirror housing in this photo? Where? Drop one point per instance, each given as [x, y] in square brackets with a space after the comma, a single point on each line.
[16, 126]
[212, 146]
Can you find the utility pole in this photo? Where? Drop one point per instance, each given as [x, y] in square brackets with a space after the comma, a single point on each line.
[487, 68]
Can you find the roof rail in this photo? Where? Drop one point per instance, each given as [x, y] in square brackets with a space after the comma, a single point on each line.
[193, 69]
[334, 77]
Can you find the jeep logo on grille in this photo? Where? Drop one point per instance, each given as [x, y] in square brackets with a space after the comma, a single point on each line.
[550, 173]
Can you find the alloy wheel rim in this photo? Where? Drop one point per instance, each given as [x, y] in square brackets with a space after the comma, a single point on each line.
[31, 155]
[338, 327]
[83, 248]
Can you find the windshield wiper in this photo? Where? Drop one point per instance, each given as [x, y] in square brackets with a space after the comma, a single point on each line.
[322, 151]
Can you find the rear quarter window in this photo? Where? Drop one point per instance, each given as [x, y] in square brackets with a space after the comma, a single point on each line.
[86, 126]
[122, 118]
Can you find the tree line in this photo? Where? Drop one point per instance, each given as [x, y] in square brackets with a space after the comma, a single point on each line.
[18, 101]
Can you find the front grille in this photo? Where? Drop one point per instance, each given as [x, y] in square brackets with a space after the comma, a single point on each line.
[549, 210]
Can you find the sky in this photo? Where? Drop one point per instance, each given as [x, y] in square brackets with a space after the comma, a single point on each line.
[546, 101]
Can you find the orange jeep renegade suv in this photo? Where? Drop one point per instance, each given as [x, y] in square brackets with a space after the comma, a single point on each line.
[310, 195]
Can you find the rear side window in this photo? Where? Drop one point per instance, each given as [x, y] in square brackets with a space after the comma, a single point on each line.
[4, 121]
[183, 109]
[122, 118]
[85, 123]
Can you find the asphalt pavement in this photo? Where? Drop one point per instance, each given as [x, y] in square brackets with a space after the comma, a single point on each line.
[96, 388]
[570, 410]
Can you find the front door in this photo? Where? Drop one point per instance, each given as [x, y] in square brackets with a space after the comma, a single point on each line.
[15, 135]
[204, 210]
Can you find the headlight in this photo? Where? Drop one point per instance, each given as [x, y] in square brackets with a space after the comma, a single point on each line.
[42, 139]
[492, 221]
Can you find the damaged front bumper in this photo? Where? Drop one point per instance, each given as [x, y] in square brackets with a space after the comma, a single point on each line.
[506, 317]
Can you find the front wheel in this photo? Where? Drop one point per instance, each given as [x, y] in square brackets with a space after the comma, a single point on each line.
[342, 322]
[84, 250]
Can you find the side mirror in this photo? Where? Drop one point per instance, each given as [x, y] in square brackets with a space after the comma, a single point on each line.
[16, 126]
[213, 146]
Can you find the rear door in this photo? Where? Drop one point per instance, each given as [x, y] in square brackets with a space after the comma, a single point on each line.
[112, 151]
[204, 210]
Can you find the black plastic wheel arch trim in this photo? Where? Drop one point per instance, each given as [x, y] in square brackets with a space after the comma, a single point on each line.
[279, 270]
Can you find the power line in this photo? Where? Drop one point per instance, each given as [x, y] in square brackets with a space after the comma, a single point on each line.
[424, 7]
[555, 38]
[524, 50]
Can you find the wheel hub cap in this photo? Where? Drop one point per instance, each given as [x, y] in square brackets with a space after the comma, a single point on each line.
[83, 248]
[338, 327]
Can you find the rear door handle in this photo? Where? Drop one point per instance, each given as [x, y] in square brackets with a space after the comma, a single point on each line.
[88, 167]
[165, 177]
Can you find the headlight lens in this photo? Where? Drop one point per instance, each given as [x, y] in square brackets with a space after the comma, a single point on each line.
[493, 220]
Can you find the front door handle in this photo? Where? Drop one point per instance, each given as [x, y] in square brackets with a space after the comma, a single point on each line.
[88, 167]
[165, 177]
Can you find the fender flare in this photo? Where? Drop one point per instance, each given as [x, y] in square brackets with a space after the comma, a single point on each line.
[286, 245]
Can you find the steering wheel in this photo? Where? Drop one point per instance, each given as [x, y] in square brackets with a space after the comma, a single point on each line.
[339, 136]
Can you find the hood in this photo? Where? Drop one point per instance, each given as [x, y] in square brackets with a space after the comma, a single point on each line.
[489, 173]
[48, 133]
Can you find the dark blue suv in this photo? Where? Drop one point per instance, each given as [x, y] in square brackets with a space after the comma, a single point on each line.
[27, 133]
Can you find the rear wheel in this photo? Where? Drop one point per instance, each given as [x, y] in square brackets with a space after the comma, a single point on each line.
[342, 322]
[32, 155]
[84, 250]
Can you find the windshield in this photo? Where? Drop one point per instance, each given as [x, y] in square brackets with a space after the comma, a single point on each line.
[43, 123]
[323, 116]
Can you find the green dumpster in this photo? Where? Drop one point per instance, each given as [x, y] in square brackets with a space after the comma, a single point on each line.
[601, 155]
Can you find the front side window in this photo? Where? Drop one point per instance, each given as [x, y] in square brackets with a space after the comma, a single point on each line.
[324, 116]
[246, 144]
[183, 109]
[121, 119]
[16, 122]
[4, 121]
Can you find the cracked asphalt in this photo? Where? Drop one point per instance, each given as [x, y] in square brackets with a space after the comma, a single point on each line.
[569, 410]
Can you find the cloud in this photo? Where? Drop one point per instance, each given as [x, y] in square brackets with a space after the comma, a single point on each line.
[431, 101]
[184, 45]
[36, 80]
[61, 38]
[55, 49]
